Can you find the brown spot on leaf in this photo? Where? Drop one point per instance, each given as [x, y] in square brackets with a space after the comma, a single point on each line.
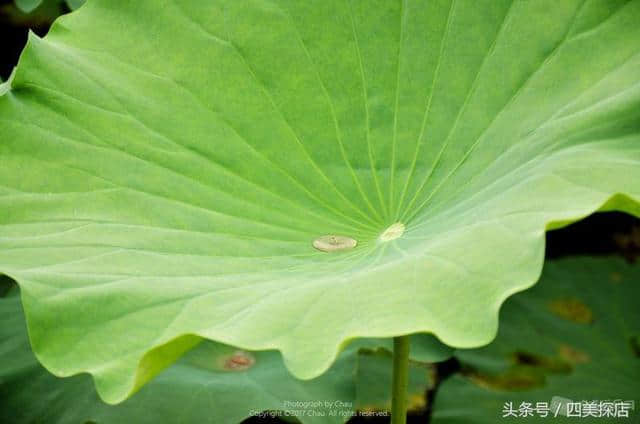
[572, 309]
[572, 356]
[517, 378]
[615, 277]
[544, 363]
[239, 361]
[527, 371]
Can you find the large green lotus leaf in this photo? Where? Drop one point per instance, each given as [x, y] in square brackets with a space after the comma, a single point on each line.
[573, 337]
[166, 167]
[212, 383]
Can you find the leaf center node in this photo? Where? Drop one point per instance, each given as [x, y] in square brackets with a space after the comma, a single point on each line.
[393, 232]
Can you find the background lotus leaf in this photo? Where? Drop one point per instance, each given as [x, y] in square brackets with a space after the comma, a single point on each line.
[210, 384]
[572, 338]
[28, 6]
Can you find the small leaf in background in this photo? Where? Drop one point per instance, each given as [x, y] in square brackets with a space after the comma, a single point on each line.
[28, 6]
[74, 4]
[539, 356]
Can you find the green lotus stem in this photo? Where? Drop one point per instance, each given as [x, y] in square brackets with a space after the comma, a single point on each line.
[400, 381]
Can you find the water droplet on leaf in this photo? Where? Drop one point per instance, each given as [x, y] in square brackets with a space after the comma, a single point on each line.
[332, 243]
